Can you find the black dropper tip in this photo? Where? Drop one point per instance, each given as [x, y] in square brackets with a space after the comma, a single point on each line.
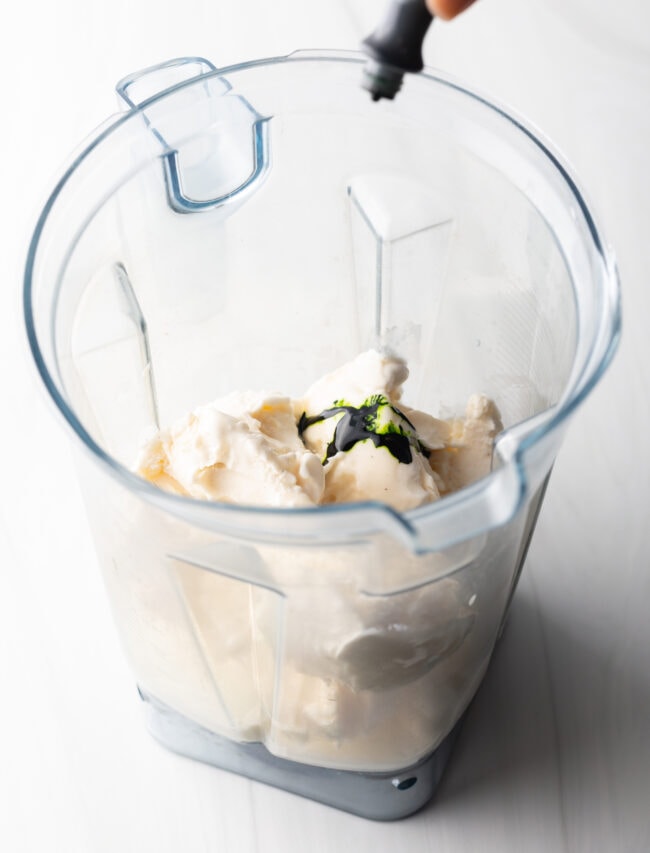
[395, 47]
[381, 79]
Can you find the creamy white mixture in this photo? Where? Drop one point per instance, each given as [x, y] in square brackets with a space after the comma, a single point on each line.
[309, 663]
[247, 448]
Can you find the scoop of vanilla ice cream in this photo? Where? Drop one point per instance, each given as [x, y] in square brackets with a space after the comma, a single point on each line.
[368, 373]
[369, 473]
[466, 455]
[243, 448]
[361, 395]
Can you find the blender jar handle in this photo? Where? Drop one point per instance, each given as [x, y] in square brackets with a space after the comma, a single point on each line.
[235, 151]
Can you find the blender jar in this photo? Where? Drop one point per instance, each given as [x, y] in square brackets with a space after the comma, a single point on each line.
[255, 227]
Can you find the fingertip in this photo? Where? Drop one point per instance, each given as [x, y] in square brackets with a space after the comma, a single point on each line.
[448, 9]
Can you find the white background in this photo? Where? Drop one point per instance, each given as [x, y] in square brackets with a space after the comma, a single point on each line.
[555, 753]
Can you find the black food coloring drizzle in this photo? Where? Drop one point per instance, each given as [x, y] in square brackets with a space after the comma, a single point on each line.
[361, 423]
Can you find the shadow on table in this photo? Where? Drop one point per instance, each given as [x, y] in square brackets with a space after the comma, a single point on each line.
[559, 728]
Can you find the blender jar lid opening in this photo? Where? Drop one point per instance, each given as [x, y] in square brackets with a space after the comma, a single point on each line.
[494, 499]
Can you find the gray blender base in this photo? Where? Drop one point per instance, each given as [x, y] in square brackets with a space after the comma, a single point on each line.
[379, 796]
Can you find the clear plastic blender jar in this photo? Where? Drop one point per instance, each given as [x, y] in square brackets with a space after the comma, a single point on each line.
[255, 227]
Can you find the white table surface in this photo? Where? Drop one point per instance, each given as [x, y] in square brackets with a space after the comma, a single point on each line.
[555, 753]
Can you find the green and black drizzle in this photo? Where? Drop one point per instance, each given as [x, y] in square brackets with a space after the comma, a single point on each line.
[376, 420]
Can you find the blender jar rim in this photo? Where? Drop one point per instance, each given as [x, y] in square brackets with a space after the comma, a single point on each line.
[509, 479]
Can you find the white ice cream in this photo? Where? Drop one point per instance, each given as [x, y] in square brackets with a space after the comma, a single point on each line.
[248, 448]
[242, 449]
[305, 659]
[367, 471]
